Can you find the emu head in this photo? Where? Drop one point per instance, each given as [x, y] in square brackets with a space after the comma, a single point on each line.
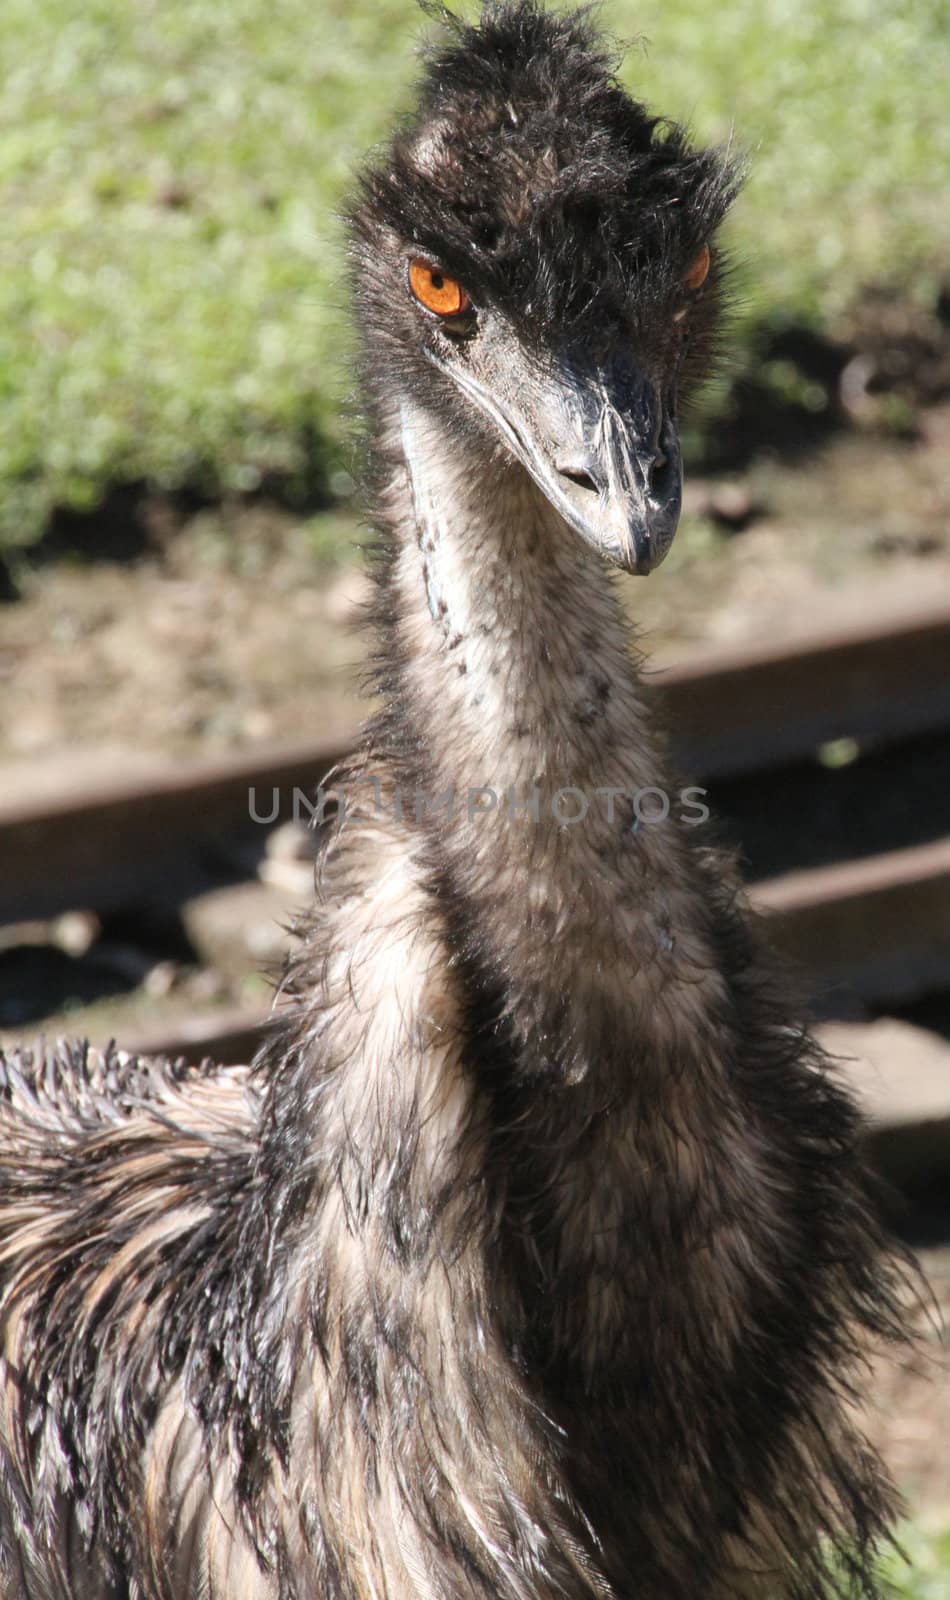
[535, 263]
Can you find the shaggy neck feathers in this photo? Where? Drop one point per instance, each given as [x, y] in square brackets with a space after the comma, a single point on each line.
[590, 996]
[518, 696]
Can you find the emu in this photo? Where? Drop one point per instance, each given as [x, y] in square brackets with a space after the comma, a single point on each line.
[534, 1257]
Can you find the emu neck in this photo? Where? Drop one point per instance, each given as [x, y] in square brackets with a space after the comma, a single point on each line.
[595, 1000]
[518, 655]
[525, 703]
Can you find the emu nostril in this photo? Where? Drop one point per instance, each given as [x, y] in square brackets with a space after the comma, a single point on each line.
[582, 479]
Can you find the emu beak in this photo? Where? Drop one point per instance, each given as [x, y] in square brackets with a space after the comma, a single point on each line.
[599, 441]
[608, 458]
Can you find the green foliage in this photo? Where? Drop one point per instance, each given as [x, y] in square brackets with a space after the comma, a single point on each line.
[840, 105]
[170, 298]
[925, 1575]
[171, 302]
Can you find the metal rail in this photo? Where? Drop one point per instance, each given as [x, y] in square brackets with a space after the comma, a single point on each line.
[117, 840]
[114, 841]
[732, 712]
[878, 929]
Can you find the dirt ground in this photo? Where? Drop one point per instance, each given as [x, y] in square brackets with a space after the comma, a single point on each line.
[909, 1402]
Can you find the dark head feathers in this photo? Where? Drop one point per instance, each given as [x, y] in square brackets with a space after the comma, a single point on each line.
[530, 173]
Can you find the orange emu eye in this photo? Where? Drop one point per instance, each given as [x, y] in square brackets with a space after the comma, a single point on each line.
[698, 270]
[435, 290]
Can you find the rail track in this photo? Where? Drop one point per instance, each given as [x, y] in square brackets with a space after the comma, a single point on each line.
[832, 756]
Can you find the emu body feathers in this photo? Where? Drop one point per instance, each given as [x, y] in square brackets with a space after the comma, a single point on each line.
[533, 1258]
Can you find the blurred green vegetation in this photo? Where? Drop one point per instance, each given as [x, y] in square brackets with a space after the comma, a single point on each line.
[925, 1575]
[171, 304]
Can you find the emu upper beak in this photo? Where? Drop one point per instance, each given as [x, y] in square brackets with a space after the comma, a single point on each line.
[608, 458]
[599, 441]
